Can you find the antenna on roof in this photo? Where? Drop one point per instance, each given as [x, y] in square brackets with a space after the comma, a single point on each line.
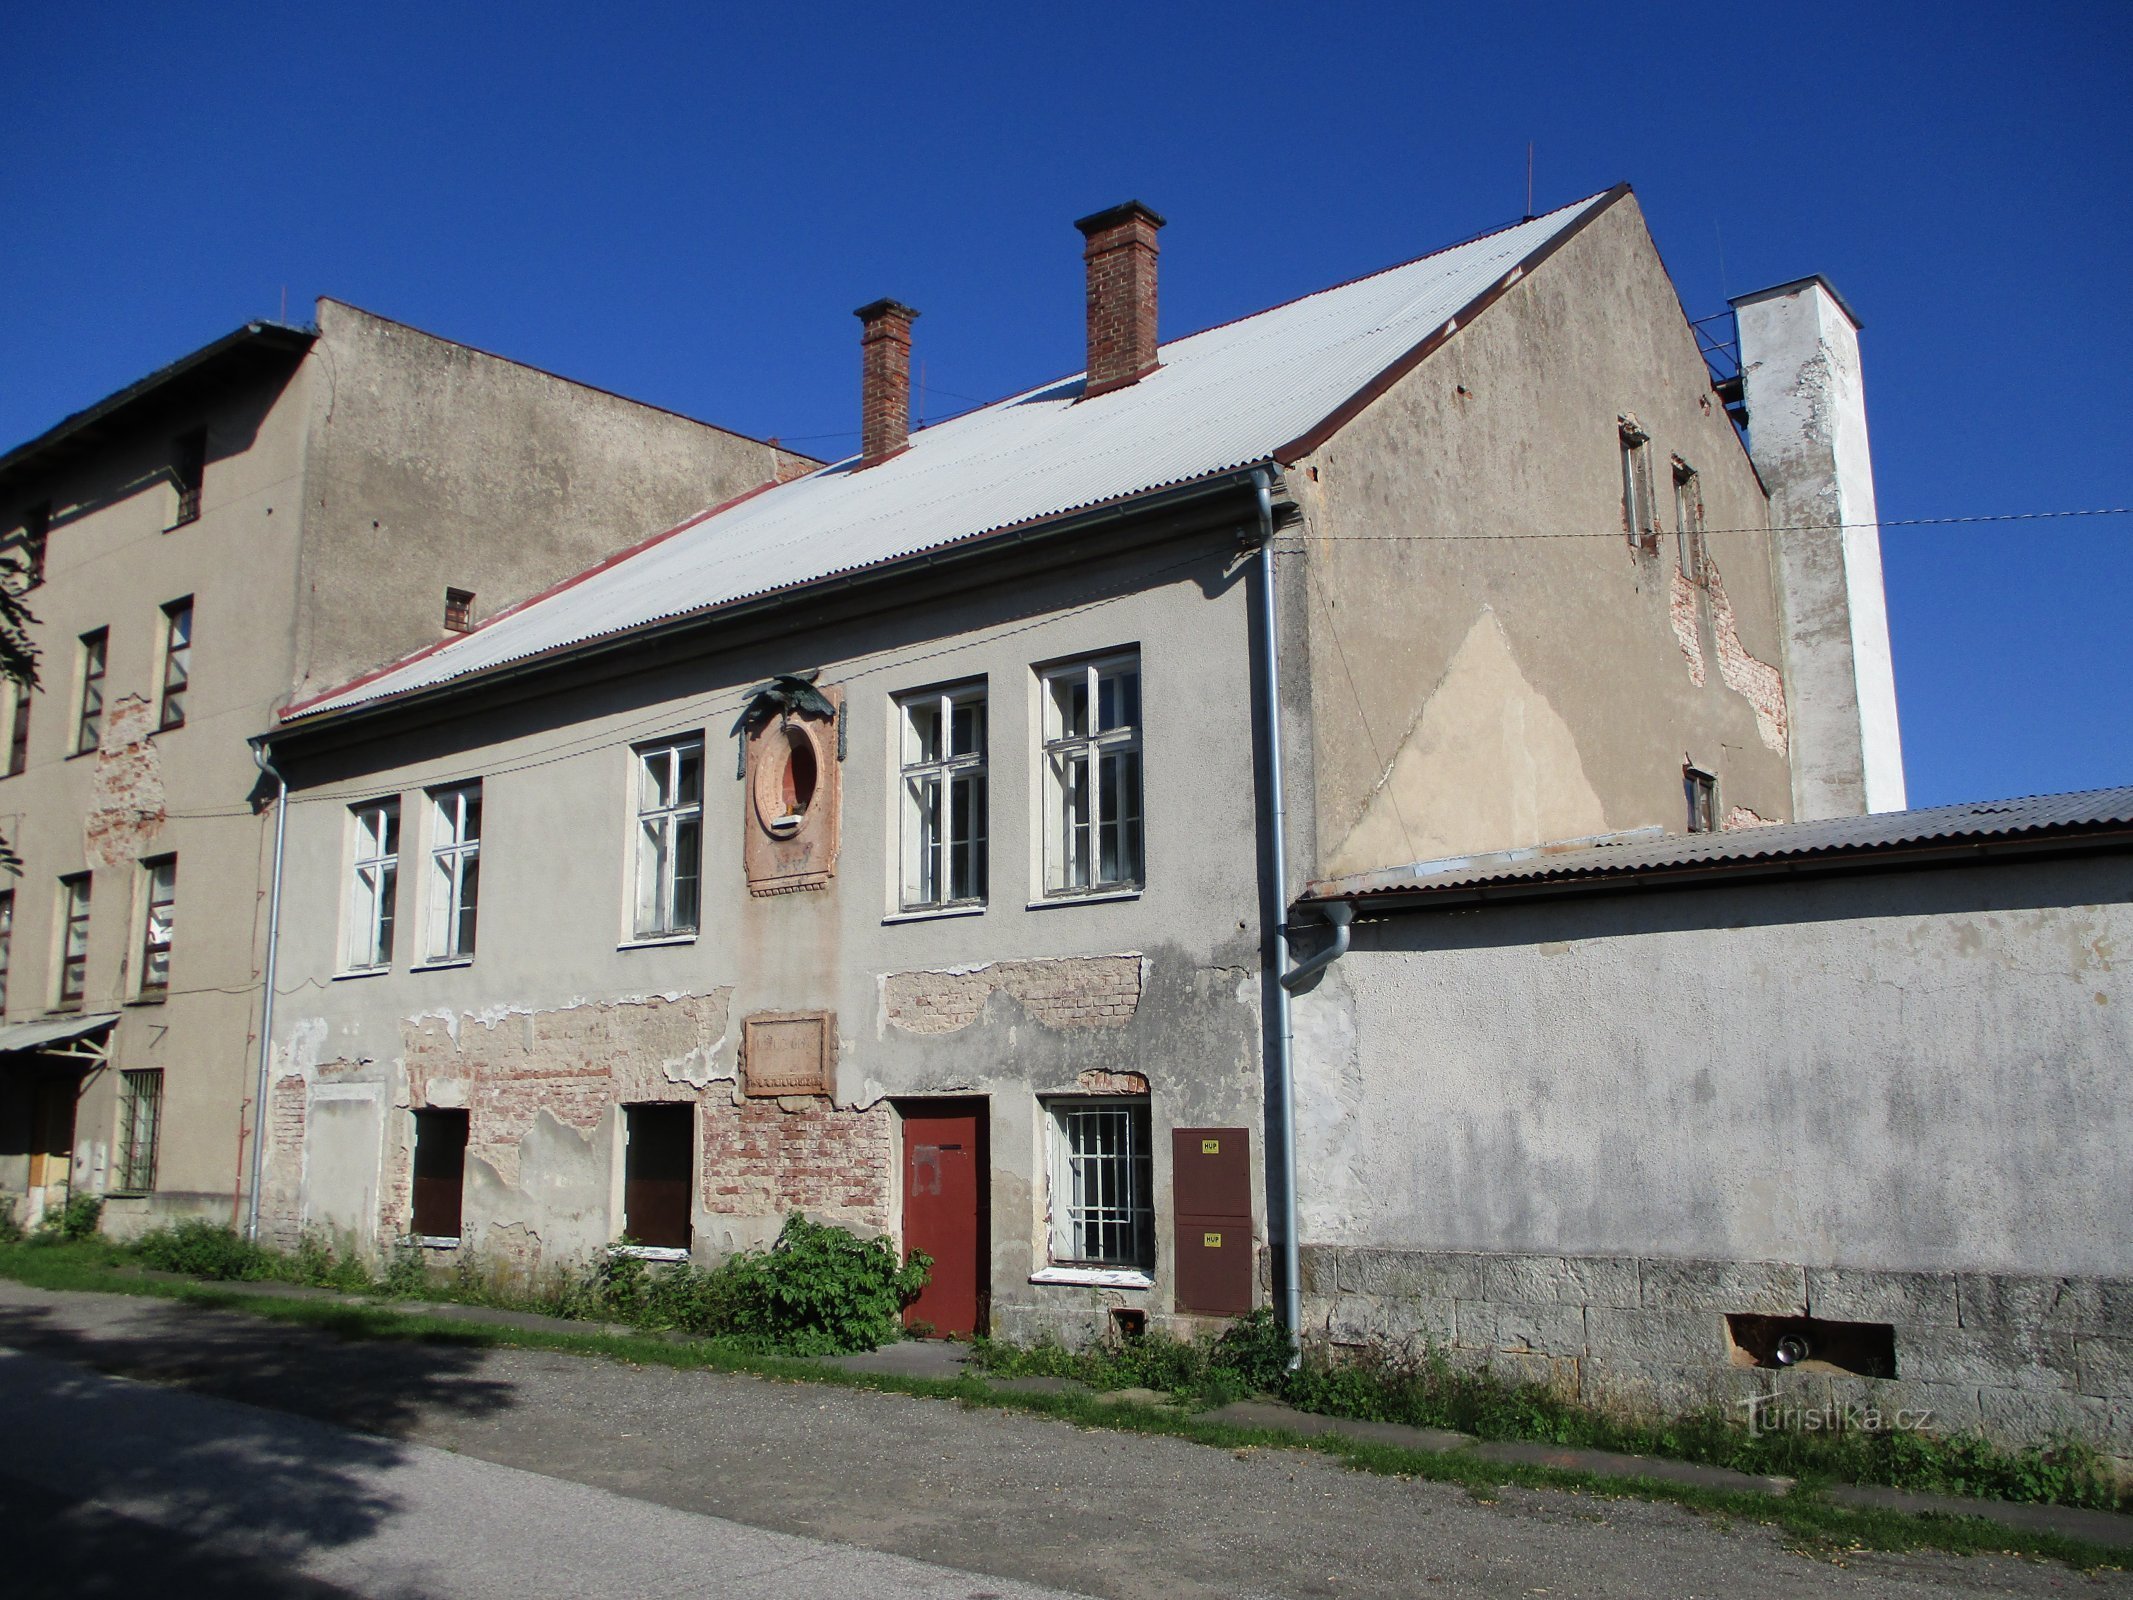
[1529, 180]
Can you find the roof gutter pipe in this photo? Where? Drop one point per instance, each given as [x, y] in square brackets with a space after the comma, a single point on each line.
[1340, 913]
[1277, 945]
[265, 760]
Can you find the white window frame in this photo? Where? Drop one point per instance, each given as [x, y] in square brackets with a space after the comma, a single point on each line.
[931, 783]
[1688, 524]
[92, 665]
[76, 904]
[158, 923]
[1080, 807]
[177, 664]
[1102, 1200]
[373, 884]
[455, 817]
[1640, 511]
[667, 827]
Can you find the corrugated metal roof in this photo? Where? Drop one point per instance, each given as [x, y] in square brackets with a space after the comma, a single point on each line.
[1223, 399]
[1661, 855]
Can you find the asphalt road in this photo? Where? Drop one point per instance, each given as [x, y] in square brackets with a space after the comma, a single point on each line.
[438, 1469]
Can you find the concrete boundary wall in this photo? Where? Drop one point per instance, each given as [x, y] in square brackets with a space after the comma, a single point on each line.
[2025, 1359]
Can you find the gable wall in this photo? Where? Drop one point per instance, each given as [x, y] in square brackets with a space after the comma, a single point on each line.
[1478, 693]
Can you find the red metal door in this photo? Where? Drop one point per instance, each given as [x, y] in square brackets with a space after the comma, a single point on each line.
[945, 1180]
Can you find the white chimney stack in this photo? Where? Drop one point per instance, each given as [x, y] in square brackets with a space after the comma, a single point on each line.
[1806, 404]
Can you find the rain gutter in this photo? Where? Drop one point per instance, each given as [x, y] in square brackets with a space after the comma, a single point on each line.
[262, 755]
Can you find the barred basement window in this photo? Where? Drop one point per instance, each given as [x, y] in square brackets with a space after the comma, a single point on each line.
[7, 941]
[374, 885]
[161, 881]
[944, 797]
[670, 825]
[140, 1123]
[188, 473]
[1092, 775]
[1102, 1190]
[74, 938]
[89, 719]
[455, 870]
[177, 661]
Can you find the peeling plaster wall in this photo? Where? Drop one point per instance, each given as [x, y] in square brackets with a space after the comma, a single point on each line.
[1155, 992]
[1838, 1095]
[1473, 692]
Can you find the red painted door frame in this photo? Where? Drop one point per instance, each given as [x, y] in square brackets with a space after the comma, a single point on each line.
[947, 1173]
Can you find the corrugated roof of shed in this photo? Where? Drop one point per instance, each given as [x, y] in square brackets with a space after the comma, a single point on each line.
[1223, 399]
[2087, 811]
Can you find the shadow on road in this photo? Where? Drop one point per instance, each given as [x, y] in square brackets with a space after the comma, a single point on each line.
[133, 1477]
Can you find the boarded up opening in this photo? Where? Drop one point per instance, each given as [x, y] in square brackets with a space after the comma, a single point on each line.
[947, 1181]
[657, 1167]
[440, 1172]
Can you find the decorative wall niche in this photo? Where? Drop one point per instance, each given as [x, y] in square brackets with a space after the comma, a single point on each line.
[788, 1052]
[791, 764]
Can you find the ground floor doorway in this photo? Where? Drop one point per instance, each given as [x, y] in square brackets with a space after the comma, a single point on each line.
[947, 1179]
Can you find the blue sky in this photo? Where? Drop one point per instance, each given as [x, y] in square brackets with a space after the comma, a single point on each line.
[684, 204]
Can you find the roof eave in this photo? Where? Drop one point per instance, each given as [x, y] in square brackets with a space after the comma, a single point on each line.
[2067, 840]
[1063, 525]
[251, 338]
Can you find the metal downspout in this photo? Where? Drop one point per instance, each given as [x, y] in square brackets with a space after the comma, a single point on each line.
[1278, 870]
[266, 1004]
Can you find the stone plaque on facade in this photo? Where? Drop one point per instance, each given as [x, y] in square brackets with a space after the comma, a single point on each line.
[788, 1052]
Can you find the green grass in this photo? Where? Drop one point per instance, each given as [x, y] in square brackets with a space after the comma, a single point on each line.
[1812, 1523]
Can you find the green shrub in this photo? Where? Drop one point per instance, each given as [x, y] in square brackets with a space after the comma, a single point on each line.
[407, 1272]
[820, 1290]
[79, 1218]
[10, 1224]
[201, 1249]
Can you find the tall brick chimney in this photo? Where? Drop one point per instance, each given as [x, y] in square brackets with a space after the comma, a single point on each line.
[1121, 259]
[884, 380]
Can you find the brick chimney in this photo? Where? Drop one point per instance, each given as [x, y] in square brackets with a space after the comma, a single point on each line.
[884, 380]
[1121, 260]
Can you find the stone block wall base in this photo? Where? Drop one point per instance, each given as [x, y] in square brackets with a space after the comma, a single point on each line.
[2025, 1360]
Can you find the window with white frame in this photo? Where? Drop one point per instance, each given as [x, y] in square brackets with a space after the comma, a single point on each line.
[18, 731]
[1102, 1203]
[1092, 775]
[140, 1119]
[89, 701]
[177, 661]
[159, 880]
[943, 738]
[455, 871]
[1640, 512]
[374, 884]
[670, 826]
[73, 938]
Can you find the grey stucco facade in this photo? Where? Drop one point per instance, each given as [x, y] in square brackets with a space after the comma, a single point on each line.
[337, 499]
[1571, 1137]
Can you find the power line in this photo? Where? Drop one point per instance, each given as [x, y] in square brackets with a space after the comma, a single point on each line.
[1795, 527]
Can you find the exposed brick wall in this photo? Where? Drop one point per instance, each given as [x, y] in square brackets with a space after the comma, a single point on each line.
[763, 1160]
[1683, 608]
[1759, 683]
[282, 1181]
[126, 802]
[573, 1064]
[1066, 992]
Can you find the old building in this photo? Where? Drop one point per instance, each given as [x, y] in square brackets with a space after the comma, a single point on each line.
[278, 510]
[909, 843]
[1823, 1118]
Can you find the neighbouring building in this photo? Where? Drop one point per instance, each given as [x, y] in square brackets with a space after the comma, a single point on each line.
[1821, 1119]
[275, 512]
[898, 844]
